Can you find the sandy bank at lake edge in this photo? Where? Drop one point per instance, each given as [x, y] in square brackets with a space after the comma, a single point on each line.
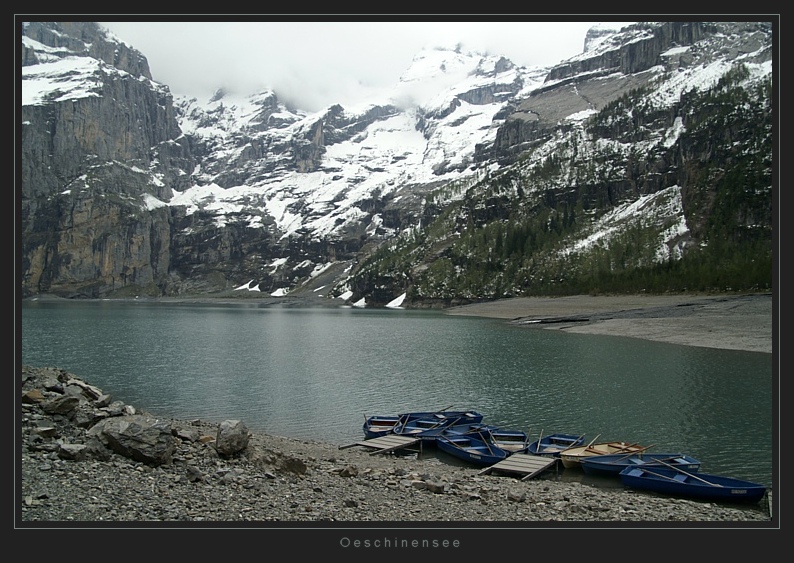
[730, 322]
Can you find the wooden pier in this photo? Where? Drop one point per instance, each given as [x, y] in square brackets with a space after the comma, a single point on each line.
[528, 465]
[386, 444]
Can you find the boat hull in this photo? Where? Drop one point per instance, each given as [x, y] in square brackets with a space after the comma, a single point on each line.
[429, 428]
[572, 457]
[554, 444]
[510, 440]
[698, 485]
[383, 425]
[472, 450]
[612, 465]
[376, 426]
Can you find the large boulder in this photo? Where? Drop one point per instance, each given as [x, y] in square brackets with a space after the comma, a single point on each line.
[139, 437]
[232, 437]
[64, 404]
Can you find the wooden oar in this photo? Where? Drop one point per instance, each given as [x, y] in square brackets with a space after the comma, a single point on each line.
[633, 453]
[399, 426]
[649, 462]
[537, 450]
[439, 423]
[688, 473]
[485, 441]
[573, 453]
[593, 441]
[402, 418]
[446, 422]
[573, 444]
[658, 460]
[634, 445]
[658, 475]
[588, 448]
[436, 425]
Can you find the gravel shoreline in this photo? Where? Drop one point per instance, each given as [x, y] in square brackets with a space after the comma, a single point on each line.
[66, 478]
[303, 489]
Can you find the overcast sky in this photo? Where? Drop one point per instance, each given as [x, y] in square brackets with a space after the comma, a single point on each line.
[314, 64]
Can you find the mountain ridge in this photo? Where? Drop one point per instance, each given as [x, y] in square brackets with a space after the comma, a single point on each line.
[244, 188]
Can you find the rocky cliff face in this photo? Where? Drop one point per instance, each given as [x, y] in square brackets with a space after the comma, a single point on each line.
[96, 153]
[126, 191]
[616, 64]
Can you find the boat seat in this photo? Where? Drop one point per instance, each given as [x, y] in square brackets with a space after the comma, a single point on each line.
[680, 477]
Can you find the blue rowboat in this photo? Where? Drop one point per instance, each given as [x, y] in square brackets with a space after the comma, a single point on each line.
[613, 464]
[704, 486]
[383, 425]
[380, 425]
[553, 444]
[510, 440]
[462, 428]
[473, 447]
[428, 428]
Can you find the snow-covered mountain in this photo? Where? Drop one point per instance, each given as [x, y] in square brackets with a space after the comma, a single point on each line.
[128, 191]
[314, 172]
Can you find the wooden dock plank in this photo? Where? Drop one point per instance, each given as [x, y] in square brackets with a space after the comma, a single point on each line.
[385, 444]
[527, 464]
[769, 501]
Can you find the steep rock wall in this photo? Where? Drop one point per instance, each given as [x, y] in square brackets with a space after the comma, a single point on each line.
[93, 168]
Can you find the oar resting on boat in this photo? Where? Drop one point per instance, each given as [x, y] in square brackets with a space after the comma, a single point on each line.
[688, 474]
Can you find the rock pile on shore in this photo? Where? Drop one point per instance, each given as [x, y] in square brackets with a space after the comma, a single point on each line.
[78, 467]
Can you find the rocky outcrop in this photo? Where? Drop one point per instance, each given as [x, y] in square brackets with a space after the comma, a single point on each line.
[83, 39]
[637, 55]
[594, 79]
[124, 117]
[78, 421]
